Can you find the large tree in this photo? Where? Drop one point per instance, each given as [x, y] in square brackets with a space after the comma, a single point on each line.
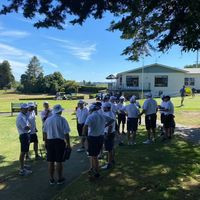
[150, 24]
[33, 74]
[6, 76]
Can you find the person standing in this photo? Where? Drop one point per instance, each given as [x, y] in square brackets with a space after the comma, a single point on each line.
[133, 119]
[162, 114]
[33, 131]
[81, 116]
[121, 115]
[150, 111]
[182, 92]
[56, 132]
[23, 127]
[169, 123]
[95, 125]
[109, 136]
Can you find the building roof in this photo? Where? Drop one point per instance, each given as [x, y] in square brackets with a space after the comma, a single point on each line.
[157, 68]
[193, 70]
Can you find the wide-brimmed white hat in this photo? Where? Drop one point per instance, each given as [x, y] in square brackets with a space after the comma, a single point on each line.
[122, 98]
[133, 99]
[24, 106]
[31, 104]
[57, 108]
[148, 94]
[45, 103]
[81, 102]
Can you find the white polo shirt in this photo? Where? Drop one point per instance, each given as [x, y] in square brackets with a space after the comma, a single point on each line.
[81, 115]
[170, 107]
[114, 108]
[96, 123]
[120, 107]
[31, 118]
[110, 114]
[56, 127]
[163, 104]
[132, 110]
[45, 114]
[21, 123]
[150, 106]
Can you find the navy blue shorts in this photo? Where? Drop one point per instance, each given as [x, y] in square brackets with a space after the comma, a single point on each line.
[169, 121]
[55, 150]
[33, 138]
[132, 124]
[121, 118]
[25, 142]
[95, 145]
[109, 141]
[150, 121]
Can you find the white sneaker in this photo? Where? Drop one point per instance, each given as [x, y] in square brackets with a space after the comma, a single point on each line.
[147, 142]
[81, 149]
[24, 172]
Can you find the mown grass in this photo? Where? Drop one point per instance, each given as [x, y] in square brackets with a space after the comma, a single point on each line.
[161, 171]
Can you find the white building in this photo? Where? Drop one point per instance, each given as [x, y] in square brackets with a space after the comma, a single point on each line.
[156, 78]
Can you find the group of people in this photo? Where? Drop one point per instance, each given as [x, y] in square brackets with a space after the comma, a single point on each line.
[97, 125]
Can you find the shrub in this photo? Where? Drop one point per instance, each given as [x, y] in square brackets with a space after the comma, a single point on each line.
[91, 89]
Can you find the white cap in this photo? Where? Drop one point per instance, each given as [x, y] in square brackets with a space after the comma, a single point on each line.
[112, 98]
[46, 102]
[31, 104]
[107, 105]
[122, 98]
[149, 94]
[24, 106]
[57, 108]
[81, 102]
[133, 99]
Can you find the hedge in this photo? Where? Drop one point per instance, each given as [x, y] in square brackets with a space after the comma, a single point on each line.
[91, 89]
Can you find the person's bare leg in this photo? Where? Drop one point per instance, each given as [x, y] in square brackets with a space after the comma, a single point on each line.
[134, 136]
[128, 136]
[59, 169]
[149, 134]
[51, 168]
[123, 127]
[21, 159]
[154, 133]
[96, 164]
[110, 157]
[83, 142]
[35, 147]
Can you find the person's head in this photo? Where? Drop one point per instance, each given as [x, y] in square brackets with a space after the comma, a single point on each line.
[93, 108]
[167, 98]
[183, 86]
[122, 99]
[106, 107]
[31, 106]
[163, 97]
[98, 105]
[46, 105]
[105, 98]
[24, 108]
[57, 109]
[133, 99]
[81, 104]
[112, 99]
[148, 95]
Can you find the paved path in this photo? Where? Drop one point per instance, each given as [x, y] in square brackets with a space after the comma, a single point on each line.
[36, 186]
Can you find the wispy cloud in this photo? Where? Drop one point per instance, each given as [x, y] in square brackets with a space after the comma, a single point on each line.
[19, 58]
[15, 34]
[83, 51]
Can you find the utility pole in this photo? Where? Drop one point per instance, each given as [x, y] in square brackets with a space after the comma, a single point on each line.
[197, 58]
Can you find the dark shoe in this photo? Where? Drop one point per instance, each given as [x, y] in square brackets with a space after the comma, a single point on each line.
[121, 144]
[37, 157]
[113, 162]
[61, 181]
[96, 175]
[52, 182]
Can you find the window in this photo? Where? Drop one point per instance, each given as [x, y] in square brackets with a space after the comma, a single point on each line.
[189, 81]
[120, 80]
[161, 81]
[132, 81]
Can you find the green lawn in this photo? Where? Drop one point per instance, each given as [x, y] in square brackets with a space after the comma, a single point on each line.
[161, 171]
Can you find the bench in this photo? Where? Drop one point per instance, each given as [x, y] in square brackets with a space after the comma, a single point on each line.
[16, 107]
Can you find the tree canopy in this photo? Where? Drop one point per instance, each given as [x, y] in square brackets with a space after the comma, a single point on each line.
[192, 66]
[6, 77]
[150, 24]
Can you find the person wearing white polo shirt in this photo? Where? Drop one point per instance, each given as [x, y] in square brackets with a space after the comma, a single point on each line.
[33, 132]
[47, 112]
[113, 104]
[121, 115]
[150, 109]
[133, 118]
[56, 131]
[95, 125]
[23, 127]
[109, 136]
[81, 116]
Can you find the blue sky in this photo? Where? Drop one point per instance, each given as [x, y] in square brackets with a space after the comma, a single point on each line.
[87, 52]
